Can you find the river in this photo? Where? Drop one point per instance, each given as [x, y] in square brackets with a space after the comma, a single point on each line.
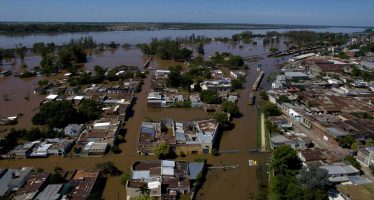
[136, 37]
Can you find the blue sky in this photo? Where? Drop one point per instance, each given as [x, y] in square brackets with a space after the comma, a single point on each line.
[310, 12]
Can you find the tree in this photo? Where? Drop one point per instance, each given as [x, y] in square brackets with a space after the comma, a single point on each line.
[48, 64]
[144, 190]
[56, 114]
[162, 150]
[222, 119]
[270, 109]
[107, 168]
[285, 159]
[65, 57]
[230, 107]
[56, 178]
[352, 160]
[89, 110]
[210, 97]
[200, 49]
[21, 51]
[346, 141]
[174, 77]
[124, 178]
[237, 83]
[1, 56]
[314, 177]
[274, 49]
[43, 82]
[263, 95]
[142, 197]
[283, 99]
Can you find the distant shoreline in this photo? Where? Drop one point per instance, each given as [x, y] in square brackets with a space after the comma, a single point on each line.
[73, 27]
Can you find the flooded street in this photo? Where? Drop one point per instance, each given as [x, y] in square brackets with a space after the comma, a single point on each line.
[240, 183]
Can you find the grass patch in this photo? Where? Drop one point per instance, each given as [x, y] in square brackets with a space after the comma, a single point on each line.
[259, 130]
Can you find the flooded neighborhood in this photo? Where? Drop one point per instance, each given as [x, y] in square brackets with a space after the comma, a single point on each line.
[179, 110]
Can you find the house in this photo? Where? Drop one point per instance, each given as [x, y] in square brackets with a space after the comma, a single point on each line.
[278, 140]
[237, 74]
[195, 137]
[35, 183]
[340, 172]
[18, 178]
[195, 101]
[309, 155]
[301, 57]
[51, 97]
[328, 66]
[282, 122]
[73, 130]
[232, 98]
[132, 85]
[95, 148]
[161, 73]
[365, 156]
[296, 76]
[217, 74]
[216, 85]
[163, 178]
[56, 146]
[22, 150]
[102, 130]
[84, 183]
[156, 100]
[51, 192]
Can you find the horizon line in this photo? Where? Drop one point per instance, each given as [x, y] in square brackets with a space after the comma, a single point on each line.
[158, 22]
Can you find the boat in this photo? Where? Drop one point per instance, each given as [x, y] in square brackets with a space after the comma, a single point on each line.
[259, 66]
[252, 163]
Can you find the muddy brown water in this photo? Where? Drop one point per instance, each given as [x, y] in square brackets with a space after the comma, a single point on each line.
[239, 183]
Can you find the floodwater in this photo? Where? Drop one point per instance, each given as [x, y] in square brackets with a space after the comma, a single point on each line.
[135, 37]
[239, 183]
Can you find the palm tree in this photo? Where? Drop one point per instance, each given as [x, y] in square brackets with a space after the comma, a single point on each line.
[144, 190]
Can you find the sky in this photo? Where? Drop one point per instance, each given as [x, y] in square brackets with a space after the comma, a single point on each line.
[298, 12]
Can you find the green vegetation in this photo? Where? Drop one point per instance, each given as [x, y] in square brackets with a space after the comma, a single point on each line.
[210, 97]
[61, 113]
[11, 139]
[89, 110]
[222, 119]
[56, 114]
[228, 60]
[283, 99]
[263, 95]
[50, 28]
[107, 168]
[369, 47]
[143, 197]
[124, 178]
[310, 38]
[286, 185]
[230, 107]
[163, 151]
[237, 83]
[352, 160]
[274, 49]
[167, 49]
[176, 79]
[346, 141]
[366, 76]
[245, 36]
[200, 49]
[270, 109]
